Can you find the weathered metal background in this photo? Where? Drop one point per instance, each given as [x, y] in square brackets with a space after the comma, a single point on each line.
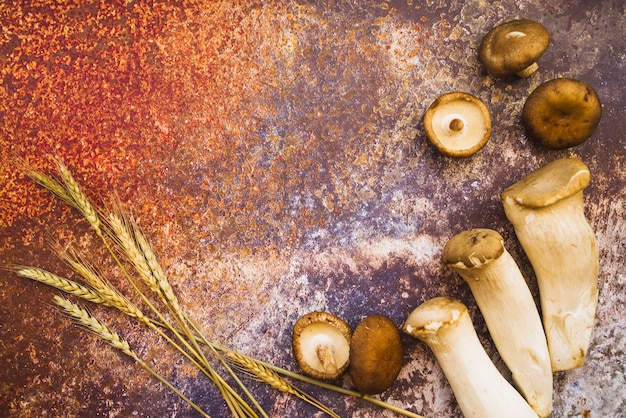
[274, 153]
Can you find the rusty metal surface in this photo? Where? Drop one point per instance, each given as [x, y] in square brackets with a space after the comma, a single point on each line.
[273, 151]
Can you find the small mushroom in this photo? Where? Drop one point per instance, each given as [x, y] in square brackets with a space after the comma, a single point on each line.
[458, 124]
[546, 207]
[376, 354]
[514, 48]
[321, 345]
[479, 256]
[444, 324]
[561, 113]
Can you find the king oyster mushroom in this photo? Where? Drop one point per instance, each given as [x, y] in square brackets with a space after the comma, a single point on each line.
[546, 208]
[321, 345]
[479, 256]
[376, 354]
[561, 113]
[514, 48]
[458, 124]
[444, 324]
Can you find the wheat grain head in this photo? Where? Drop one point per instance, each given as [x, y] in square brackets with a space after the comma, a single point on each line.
[89, 273]
[62, 283]
[122, 234]
[50, 184]
[261, 372]
[81, 202]
[92, 323]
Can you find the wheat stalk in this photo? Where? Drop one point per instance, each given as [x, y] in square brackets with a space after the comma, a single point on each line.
[263, 373]
[136, 248]
[155, 268]
[121, 233]
[50, 184]
[69, 191]
[273, 379]
[84, 318]
[112, 338]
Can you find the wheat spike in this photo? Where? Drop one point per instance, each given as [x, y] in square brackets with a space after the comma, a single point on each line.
[109, 293]
[84, 318]
[273, 379]
[124, 238]
[261, 372]
[155, 268]
[50, 184]
[81, 202]
[92, 323]
[62, 283]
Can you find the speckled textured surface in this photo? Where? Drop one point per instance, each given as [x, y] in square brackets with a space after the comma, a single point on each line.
[273, 151]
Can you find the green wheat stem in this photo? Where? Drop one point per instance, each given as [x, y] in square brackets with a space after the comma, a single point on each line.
[125, 233]
[138, 240]
[93, 324]
[243, 387]
[324, 385]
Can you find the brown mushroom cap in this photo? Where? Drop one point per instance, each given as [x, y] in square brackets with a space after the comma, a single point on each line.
[458, 124]
[514, 48]
[376, 354]
[550, 183]
[472, 248]
[561, 113]
[321, 345]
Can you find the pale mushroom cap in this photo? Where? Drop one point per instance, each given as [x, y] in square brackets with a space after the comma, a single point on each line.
[513, 46]
[458, 124]
[428, 318]
[550, 183]
[473, 248]
[561, 113]
[316, 336]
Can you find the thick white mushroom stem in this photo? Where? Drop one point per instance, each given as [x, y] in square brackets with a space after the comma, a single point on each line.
[479, 256]
[481, 391]
[547, 210]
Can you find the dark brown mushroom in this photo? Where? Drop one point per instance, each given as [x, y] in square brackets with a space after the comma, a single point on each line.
[458, 124]
[561, 113]
[321, 345]
[514, 48]
[376, 354]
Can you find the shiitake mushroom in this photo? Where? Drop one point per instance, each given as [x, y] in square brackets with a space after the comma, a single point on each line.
[376, 354]
[561, 113]
[321, 345]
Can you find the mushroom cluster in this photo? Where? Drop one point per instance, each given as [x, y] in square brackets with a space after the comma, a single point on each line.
[547, 212]
[325, 348]
[560, 113]
[546, 209]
